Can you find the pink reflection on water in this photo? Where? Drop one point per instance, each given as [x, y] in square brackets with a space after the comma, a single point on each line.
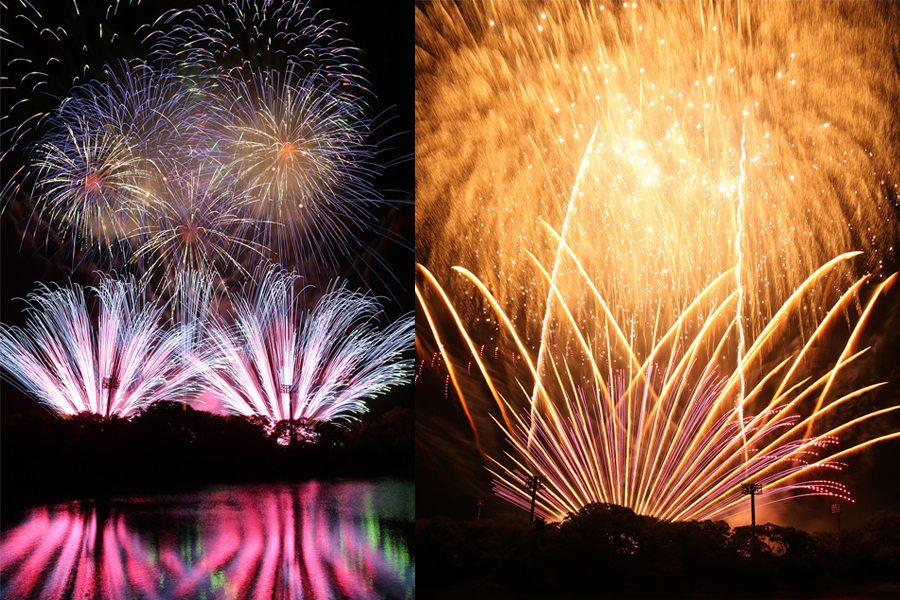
[312, 541]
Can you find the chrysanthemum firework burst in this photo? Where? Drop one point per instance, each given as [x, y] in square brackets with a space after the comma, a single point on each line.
[112, 364]
[285, 363]
[194, 221]
[300, 148]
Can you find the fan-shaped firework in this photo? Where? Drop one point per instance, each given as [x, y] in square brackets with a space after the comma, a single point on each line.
[285, 364]
[112, 365]
[685, 193]
[664, 438]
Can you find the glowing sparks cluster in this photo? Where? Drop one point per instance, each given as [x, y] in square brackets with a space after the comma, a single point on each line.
[191, 158]
[307, 367]
[648, 228]
[114, 365]
[669, 90]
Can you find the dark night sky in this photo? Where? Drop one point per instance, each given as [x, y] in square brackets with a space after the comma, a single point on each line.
[383, 32]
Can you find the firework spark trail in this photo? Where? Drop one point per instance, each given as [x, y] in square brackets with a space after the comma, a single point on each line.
[545, 328]
[242, 34]
[739, 402]
[124, 363]
[49, 52]
[282, 363]
[651, 232]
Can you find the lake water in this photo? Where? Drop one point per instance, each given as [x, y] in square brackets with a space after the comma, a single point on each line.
[313, 540]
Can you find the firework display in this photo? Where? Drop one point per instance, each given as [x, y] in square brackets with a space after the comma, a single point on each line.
[116, 365]
[187, 157]
[658, 212]
[235, 141]
[286, 363]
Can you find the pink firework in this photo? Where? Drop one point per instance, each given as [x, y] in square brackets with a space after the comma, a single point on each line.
[308, 367]
[113, 362]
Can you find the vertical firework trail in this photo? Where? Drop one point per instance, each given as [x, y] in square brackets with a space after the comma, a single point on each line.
[550, 298]
[663, 337]
[739, 403]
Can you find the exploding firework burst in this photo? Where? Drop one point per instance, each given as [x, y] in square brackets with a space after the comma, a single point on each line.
[290, 36]
[300, 148]
[211, 152]
[114, 364]
[283, 363]
[196, 223]
[671, 92]
[641, 221]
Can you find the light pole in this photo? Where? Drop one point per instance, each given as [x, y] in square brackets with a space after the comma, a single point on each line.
[534, 483]
[480, 504]
[286, 389]
[110, 383]
[836, 511]
[752, 490]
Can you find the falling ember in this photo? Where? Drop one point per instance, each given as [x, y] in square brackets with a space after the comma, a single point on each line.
[661, 237]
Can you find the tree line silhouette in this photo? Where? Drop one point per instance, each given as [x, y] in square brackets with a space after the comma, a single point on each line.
[172, 447]
[605, 550]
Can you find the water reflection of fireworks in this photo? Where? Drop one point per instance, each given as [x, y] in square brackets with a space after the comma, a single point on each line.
[258, 542]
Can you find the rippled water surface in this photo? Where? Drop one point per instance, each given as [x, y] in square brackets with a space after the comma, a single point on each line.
[312, 540]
